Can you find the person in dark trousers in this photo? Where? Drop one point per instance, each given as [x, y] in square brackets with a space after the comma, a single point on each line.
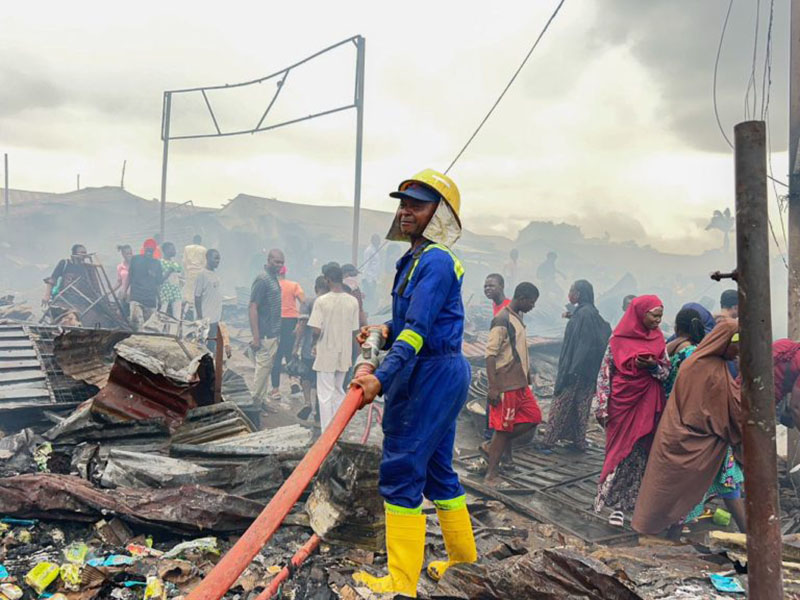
[144, 281]
[303, 345]
[265, 323]
[292, 296]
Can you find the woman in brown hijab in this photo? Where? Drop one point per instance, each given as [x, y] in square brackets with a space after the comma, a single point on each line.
[700, 422]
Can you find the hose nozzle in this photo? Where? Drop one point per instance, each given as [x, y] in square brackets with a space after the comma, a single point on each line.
[369, 359]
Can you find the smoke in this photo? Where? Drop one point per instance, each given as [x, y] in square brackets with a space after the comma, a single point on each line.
[676, 41]
[25, 90]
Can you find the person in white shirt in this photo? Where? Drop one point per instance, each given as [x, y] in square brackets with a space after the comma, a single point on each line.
[334, 324]
[372, 266]
[194, 261]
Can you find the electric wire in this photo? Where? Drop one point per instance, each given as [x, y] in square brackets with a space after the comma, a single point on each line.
[766, 76]
[751, 83]
[766, 87]
[491, 110]
[716, 69]
[716, 107]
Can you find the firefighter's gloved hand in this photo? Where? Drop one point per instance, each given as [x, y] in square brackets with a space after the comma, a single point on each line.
[364, 333]
[370, 385]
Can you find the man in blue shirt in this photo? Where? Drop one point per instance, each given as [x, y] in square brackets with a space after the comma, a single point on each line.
[424, 380]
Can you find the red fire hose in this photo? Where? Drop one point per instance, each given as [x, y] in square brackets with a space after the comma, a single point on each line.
[227, 571]
[299, 557]
[373, 414]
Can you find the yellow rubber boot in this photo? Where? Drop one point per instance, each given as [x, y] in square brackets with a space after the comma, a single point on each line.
[458, 541]
[405, 547]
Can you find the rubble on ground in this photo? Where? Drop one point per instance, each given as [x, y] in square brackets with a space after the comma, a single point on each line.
[15, 311]
[135, 491]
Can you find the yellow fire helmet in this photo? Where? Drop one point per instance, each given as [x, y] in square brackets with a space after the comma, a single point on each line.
[441, 183]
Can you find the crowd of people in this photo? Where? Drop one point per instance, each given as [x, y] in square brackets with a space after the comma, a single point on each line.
[312, 339]
[670, 406]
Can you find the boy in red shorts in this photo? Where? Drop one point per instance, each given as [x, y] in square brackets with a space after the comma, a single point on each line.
[513, 409]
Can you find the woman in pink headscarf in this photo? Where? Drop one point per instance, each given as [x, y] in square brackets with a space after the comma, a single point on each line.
[786, 361]
[630, 399]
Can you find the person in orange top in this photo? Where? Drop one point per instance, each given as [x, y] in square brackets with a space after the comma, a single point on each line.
[291, 297]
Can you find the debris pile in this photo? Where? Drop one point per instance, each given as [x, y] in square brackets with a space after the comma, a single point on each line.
[140, 489]
[14, 311]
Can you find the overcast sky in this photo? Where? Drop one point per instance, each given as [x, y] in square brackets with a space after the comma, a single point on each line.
[610, 126]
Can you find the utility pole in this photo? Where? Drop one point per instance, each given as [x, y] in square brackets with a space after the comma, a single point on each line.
[793, 437]
[122, 179]
[78, 183]
[361, 48]
[765, 580]
[167, 109]
[5, 190]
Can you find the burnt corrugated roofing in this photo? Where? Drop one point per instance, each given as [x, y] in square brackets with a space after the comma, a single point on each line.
[23, 381]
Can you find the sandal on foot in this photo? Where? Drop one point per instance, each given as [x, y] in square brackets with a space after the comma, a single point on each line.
[617, 519]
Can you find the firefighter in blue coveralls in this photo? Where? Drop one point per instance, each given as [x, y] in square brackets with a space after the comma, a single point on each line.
[424, 379]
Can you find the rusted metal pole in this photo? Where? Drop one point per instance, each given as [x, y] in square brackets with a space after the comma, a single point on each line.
[361, 49]
[793, 437]
[758, 399]
[165, 122]
[218, 366]
[5, 189]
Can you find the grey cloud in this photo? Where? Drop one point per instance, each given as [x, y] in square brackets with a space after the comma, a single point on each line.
[24, 89]
[676, 40]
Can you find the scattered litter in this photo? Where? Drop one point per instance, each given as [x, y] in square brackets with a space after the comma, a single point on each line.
[41, 576]
[18, 522]
[3, 572]
[115, 560]
[206, 545]
[154, 589]
[139, 550]
[42, 455]
[11, 591]
[726, 584]
[71, 576]
[76, 553]
[114, 532]
[722, 517]
[57, 536]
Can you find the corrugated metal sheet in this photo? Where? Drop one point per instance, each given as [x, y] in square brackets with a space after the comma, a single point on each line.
[23, 381]
[134, 393]
[87, 354]
[66, 390]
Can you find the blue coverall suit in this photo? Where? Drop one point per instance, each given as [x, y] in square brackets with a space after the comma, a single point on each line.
[424, 379]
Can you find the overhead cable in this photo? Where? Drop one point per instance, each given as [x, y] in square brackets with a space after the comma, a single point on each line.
[491, 110]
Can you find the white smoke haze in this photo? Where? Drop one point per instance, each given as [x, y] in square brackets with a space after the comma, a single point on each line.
[610, 126]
